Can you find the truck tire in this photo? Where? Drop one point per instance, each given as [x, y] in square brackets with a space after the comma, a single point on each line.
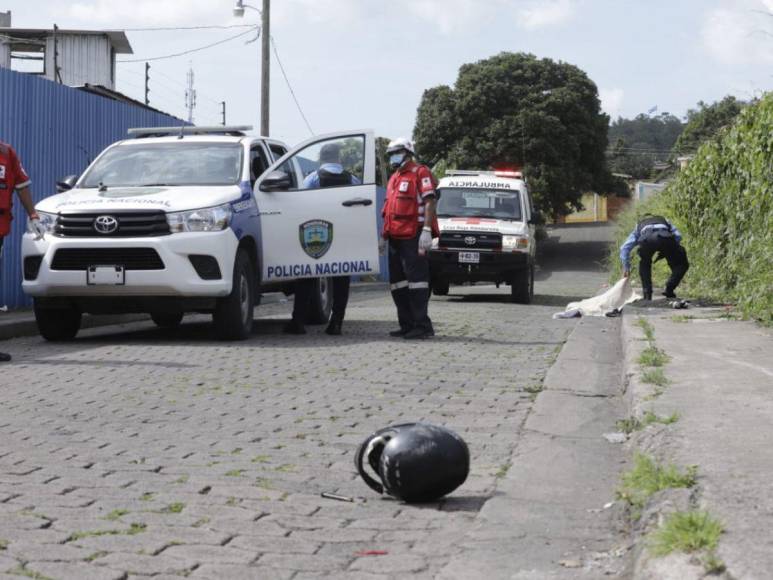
[232, 318]
[167, 319]
[321, 302]
[57, 324]
[522, 286]
[440, 288]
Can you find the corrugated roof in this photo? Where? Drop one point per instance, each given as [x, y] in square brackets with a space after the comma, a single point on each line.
[117, 37]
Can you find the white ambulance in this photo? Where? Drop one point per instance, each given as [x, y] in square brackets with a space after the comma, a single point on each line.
[198, 219]
[487, 232]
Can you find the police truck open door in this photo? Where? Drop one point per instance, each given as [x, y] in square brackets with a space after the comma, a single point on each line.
[312, 227]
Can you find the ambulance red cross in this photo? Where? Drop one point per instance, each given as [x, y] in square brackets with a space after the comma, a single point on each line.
[487, 232]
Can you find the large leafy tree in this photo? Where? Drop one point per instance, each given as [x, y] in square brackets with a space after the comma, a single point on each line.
[705, 122]
[516, 109]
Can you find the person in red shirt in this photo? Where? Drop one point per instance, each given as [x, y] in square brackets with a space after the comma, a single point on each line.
[14, 178]
[409, 225]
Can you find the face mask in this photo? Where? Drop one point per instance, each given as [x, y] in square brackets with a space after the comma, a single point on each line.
[396, 159]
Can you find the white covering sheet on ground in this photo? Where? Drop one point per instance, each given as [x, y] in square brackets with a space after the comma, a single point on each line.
[610, 301]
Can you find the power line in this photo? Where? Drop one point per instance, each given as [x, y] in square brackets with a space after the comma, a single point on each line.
[178, 54]
[289, 86]
[170, 28]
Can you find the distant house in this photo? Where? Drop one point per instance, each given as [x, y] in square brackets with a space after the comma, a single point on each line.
[70, 57]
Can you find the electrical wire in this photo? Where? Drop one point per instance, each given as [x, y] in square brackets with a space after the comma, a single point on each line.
[171, 28]
[178, 54]
[289, 86]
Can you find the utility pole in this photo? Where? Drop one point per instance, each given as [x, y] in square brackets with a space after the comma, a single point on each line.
[147, 83]
[265, 77]
[222, 104]
[190, 96]
[57, 70]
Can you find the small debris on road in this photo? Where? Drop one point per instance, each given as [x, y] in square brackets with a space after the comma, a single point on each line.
[328, 495]
[616, 437]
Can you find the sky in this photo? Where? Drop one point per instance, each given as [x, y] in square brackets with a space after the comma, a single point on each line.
[356, 64]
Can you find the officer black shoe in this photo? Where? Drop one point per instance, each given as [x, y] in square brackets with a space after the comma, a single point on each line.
[669, 294]
[418, 333]
[4, 357]
[293, 327]
[647, 295]
[333, 328]
[399, 333]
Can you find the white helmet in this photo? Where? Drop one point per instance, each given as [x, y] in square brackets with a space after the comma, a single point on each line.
[400, 144]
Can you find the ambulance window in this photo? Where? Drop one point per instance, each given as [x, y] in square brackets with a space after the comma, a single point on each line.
[337, 162]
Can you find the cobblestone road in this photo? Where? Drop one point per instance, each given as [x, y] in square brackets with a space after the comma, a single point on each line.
[135, 451]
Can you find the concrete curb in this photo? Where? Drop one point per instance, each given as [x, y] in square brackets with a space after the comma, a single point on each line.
[653, 441]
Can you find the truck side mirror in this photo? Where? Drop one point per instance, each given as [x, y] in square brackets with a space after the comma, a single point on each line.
[277, 180]
[66, 183]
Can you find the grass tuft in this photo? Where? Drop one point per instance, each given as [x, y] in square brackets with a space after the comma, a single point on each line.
[647, 477]
[647, 328]
[686, 532]
[652, 356]
[116, 514]
[655, 376]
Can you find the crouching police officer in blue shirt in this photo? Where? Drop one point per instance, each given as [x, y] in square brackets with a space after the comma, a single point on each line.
[329, 174]
[655, 234]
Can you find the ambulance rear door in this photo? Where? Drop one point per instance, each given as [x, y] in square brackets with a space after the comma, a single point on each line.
[317, 209]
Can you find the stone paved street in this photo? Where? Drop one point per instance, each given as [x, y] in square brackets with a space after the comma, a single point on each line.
[138, 451]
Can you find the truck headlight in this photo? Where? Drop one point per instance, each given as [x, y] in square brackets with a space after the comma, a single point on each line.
[47, 220]
[515, 243]
[208, 219]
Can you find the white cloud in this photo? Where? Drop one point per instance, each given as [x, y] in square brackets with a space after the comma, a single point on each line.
[546, 13]
[120, 13]
[612, 101]
[739, 32]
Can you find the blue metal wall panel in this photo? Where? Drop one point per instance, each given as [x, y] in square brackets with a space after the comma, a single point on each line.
[57, 131]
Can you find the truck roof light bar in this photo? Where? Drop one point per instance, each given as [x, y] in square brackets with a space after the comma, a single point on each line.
[234, 130]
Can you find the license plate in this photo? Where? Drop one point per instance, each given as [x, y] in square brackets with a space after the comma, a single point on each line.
[105, 276]
[469, 257]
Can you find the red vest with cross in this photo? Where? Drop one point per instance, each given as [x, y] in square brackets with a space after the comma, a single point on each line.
[406, 197]
[12, 177]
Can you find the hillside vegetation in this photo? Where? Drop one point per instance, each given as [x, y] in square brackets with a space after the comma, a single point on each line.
[722, 203]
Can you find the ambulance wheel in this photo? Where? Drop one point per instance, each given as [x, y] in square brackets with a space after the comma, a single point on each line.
[321, 302]
[167, 319]
[232, 317]
[440, 288]
[57, 324]
[522, 286]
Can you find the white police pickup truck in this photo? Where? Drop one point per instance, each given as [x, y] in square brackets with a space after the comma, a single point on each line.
[487, 232]
[198, 219]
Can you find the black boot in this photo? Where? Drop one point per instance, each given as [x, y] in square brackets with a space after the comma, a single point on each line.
[294, 327]
[4, 357]
[399, 332]
[334, 327]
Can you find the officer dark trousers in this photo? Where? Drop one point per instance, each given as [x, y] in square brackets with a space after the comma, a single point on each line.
[409, 281]
[675, 255]
[304, 291]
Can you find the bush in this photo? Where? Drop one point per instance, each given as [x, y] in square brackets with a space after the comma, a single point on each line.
[723, 205]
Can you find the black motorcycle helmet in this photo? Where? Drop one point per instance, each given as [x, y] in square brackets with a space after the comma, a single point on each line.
[416, 462]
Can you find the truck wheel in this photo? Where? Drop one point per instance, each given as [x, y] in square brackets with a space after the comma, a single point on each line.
[440, 288]
[232, 317]
[167, 319]
[321, 302]
[57, 324]
[522, 286]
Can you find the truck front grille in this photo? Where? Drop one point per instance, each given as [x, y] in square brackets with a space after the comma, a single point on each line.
[471, 240]
[130, 224]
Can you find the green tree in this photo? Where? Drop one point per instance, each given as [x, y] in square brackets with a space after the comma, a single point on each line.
[705, 122]
[516, 109]
[639, 143]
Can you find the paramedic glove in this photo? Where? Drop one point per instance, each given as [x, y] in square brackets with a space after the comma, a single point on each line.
[425, 241]
[37, 228]
[382, 246]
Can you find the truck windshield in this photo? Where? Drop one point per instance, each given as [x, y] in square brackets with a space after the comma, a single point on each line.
[490, 203]
[177, 163]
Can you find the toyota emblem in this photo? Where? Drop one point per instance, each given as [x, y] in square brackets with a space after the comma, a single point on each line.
[470, 240]
[105, 224]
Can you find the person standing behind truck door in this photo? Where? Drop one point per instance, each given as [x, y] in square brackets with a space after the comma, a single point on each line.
[409, 224]
[13, 177]
[329, 174]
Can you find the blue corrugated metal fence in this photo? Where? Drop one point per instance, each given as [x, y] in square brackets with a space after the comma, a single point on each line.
[57, 131]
